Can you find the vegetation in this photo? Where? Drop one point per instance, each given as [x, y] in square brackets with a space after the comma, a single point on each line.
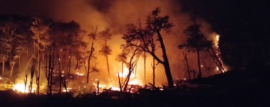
[145, 38]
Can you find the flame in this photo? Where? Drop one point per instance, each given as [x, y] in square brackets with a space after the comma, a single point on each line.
[79, 74]
[216, 40]
[125, 73]
[20, 87]
[68, 90]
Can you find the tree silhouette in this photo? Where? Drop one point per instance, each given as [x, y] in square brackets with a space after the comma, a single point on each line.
[92, 36]
[105, 50]
[144, 38]
[129, 56]
[195, 43]
[41, 41]
[12, 41]
[4, 53]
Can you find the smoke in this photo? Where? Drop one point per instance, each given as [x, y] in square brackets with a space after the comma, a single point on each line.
[115, 14]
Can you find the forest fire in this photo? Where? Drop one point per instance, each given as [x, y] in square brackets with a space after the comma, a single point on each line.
[62, 65]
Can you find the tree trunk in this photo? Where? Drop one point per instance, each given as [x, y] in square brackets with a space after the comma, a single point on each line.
[49, 77]
[122, 69]
[166, 61]
[199, 64]
[97, 87]
[25, 82]
[3, 66]
[154, 75]
[19, 62]
[107, 60]
[31, 76]
[144, 63]
[69, 64]
[60, 75]
[89, 58]
[186, 60]
[38, 73]
[11, 69]
[135, 71]
[119, 82]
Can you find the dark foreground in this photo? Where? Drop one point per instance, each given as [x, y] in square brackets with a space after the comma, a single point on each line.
[235, 88]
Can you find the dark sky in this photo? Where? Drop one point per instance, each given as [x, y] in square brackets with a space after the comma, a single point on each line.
[214, 11]
[229, 13]
[225, 16]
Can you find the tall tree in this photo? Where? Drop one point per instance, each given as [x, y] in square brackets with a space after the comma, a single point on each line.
[144, 38]
[106, 50]
[195, 43]
[11, 42]
[92, 36]
[4, 53]
[41, 39]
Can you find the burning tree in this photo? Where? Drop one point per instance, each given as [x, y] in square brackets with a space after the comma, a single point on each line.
[144, 38]
[106, 50]
[133, 53]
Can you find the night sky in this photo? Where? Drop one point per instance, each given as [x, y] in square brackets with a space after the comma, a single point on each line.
[242, 24]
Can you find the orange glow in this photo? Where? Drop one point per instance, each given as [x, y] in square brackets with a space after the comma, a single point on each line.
[125, 73]
[216, 40]
[20, 87]
[79, 74]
